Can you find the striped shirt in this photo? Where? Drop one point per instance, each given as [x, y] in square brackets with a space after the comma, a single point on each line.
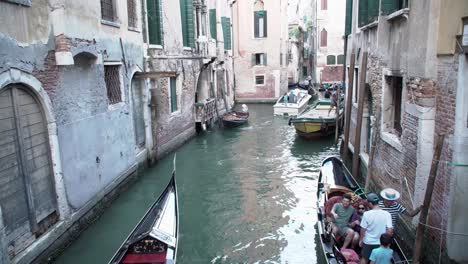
[395, 210]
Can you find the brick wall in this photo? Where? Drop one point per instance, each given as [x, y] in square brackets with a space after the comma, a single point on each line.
[48, 74]
[332, 74]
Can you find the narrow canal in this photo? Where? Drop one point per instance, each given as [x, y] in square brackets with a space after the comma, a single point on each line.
[246, 195]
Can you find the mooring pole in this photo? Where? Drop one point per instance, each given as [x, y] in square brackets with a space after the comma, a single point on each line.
[427, 200]
[349, 98]
[357, 136]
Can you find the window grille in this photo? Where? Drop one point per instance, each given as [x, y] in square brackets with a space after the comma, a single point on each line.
[112, 78]
[132, 13]
[260, 80]
[107, 10]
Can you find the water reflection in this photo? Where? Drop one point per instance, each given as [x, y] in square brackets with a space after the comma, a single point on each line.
[246, 195]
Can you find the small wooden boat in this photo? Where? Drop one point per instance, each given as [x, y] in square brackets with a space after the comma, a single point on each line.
[154, 239]
[317, 120]
[292, 103]
[235, 118]
[334, 181]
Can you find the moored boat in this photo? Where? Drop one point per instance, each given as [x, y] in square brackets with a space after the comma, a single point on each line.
[317, 120]
[154, 239]
[292, 103]
[334, 181]
[235, 118]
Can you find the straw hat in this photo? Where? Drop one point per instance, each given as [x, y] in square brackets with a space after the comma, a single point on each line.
[390, 194]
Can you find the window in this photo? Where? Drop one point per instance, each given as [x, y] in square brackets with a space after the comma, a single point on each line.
[132, 13]
[112, 78]
[349, 17]
[186, 14]
[260, 80]
[154, 22]
[323, 4]
[260, 24]
[213, 30]
[108, 10]
[340, 59]
[304, 71]
[368, 11]
[331, 60]
[173, 93]
[226, 24]
[392, 100]
[281, 59]
[259, 59]
[390, 6]
[20, 2]
[323, 38]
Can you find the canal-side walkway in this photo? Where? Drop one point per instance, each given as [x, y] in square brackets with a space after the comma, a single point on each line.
[246, 195]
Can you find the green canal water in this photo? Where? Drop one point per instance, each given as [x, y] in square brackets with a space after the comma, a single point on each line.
[246, 195]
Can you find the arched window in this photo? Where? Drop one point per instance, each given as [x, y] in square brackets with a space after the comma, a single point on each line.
[323, 38]
[260, 20]
[331, 60]
[340, 59]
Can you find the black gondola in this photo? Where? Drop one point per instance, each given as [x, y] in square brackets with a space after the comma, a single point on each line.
[334, 181]
[154, 239]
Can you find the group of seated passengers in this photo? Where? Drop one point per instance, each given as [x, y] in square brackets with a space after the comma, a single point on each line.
[370, 227]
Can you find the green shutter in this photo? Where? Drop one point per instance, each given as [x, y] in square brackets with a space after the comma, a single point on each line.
[264, 59]
[254, 61]
[173, 94]
[154, 22]
[256, 30]
[372, 10]
[340, 59]
[186, 15]
[331, 60]
[213, 30]
[265, 23]
[226, 24]
[389, 6]
[349, 17]
[363, 16]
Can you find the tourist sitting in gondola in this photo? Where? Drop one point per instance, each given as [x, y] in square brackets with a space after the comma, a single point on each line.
[342, 213]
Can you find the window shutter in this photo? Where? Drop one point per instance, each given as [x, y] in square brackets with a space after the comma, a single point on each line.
[265, 23]
[372, 10]
[331, 60]
[226, 24]
[183, 19]
[389, 6]
[363, 16]
[323, 38]
[190, 24]
[340, 59]
[256, 30]
[254, 61]
[349, 17]
[213, 30]
[154, 22]
[264, 59]
[173, 94]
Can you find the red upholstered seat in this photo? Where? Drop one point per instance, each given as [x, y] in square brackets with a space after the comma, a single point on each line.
[153, 258]
[329, 204]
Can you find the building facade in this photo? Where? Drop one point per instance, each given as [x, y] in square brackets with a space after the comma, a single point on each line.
[330, 40]
[90, 91]
[260, 46]
[415, 89]
[301, 56]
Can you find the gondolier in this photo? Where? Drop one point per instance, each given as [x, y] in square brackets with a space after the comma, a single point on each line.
[390, 204]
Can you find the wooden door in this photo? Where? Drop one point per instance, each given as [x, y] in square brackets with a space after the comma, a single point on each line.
[27, 190]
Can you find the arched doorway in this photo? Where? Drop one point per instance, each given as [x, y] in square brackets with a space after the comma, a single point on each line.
[27, 189]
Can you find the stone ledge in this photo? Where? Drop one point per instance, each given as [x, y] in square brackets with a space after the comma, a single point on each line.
[392, 140]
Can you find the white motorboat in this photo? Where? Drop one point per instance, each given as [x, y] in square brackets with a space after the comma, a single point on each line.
[292, 103]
